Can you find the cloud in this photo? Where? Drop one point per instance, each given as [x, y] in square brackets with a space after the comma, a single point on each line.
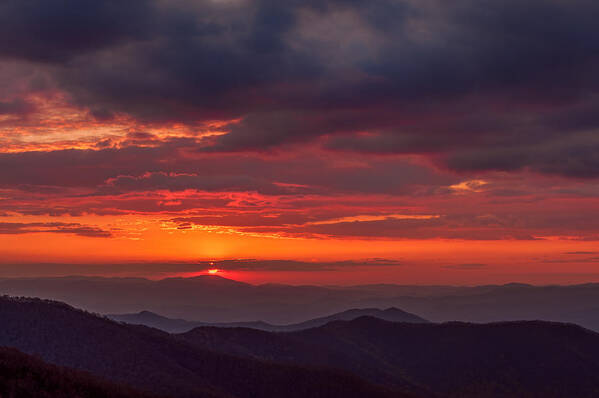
[8, 228]
[304, 118]
[294, 265]
[446, 79]
[382, 226]
[570, 260]
[180, 182]
[165, 167]
[470, 227]
[16, 107]
[455, 225]
[56, 32]
[466, 266]
[152, 270]
[162, 270]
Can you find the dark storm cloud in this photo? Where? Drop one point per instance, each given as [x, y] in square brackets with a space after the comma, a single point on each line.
[16, 107]
[483, 85]
[57, 30]
[572, 155]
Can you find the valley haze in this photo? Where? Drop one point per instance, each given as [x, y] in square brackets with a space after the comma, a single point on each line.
[214, 299]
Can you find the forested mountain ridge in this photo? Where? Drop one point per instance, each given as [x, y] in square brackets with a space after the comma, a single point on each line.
[170, 325]
[156, 361]
[455, 359]
[24, 376]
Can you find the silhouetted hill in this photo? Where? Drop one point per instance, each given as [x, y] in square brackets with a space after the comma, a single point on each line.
[511, 359]
[390, 314]
[284, 348]
[213, 299]
[191, 298]
[153, 320]
[571, 304]
[24, 376]
[155, 361]
[170, 325]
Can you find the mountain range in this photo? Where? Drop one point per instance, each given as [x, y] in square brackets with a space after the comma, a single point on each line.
[363, 357]
[157, 362]
[24, 376]
[455, 359]
[170, 325]
[213, 299]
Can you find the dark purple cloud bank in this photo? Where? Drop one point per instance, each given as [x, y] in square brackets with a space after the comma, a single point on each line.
[116, 171]
[476, 85]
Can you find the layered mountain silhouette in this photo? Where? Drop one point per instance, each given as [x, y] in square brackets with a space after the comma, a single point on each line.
[213, 299]
[391, 314]
[511, 359]
[151, 319]
[24, 376]
[363, 357]
[155, 361]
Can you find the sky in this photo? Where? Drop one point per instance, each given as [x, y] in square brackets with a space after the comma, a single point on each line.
[332, 141]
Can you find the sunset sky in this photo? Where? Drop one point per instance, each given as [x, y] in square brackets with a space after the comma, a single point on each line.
[332, 141]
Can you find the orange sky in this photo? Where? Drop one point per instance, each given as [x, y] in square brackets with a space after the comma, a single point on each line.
[446, 228]
[438, 143]
[431, 261]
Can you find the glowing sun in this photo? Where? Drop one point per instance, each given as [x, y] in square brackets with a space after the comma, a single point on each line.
[213, 271]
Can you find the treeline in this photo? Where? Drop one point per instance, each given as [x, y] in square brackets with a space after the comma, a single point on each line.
[24, 376]
[155, 361]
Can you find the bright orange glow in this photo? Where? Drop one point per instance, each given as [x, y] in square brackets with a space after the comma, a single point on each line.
[165, 206]
[285, 175]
